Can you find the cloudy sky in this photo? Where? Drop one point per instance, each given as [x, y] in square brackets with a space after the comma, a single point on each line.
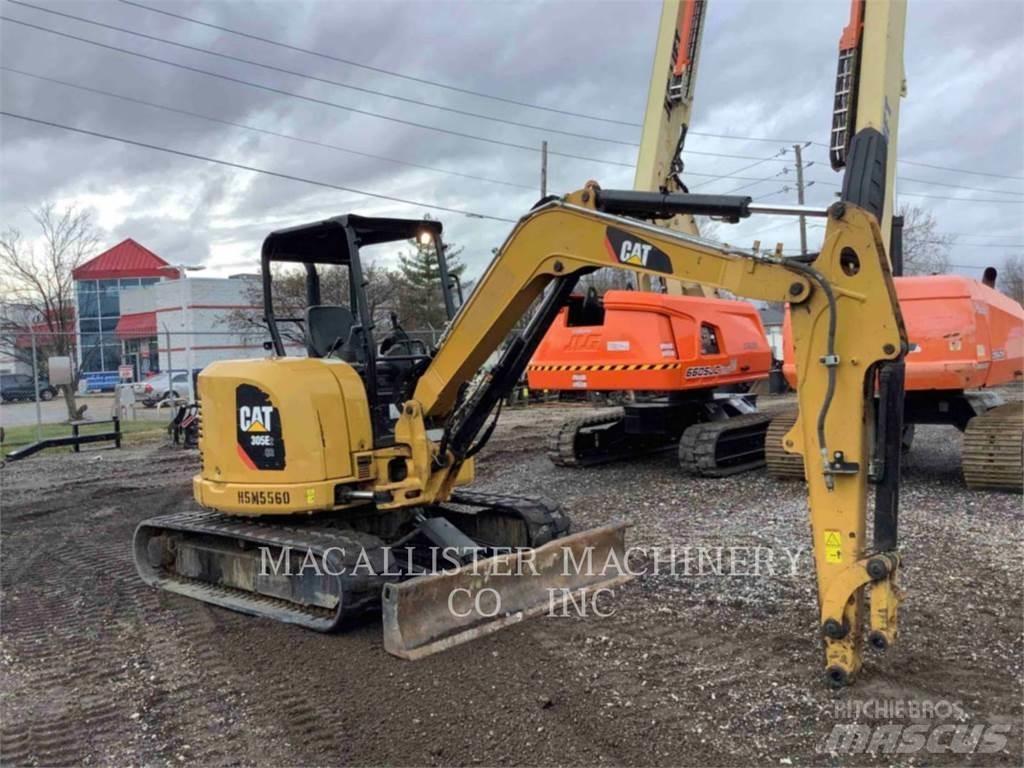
[767, 70]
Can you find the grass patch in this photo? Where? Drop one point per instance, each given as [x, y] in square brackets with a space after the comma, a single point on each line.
[19, 437]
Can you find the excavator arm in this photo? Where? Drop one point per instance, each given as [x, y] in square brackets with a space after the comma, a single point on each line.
[847, 329]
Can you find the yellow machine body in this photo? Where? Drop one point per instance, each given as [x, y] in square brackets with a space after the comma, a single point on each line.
[312, 431]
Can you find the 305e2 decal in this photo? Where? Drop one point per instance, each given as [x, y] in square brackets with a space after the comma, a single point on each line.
[260, 444]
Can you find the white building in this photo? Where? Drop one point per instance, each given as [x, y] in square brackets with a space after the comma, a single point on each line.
[187, 323]
[134, 309]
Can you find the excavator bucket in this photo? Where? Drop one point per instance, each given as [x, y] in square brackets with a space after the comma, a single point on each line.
[431, 613]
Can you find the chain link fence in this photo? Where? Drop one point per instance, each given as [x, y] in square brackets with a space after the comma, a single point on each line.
[142, 379]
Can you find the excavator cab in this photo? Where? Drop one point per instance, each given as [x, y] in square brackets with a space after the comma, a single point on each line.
[388, 362]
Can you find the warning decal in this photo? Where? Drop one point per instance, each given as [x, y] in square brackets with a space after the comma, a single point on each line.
[833, 547]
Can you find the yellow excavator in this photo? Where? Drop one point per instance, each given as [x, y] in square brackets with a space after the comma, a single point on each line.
[330, 483]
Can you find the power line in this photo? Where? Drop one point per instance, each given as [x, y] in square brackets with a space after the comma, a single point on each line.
[356, 110]
[960, 186]
[901, 193]
[380, 70]
[426, 81]
[974, 245]
[776, 192]
[716, 176]
[958, 199]
[778, 156]
[506, 100]
[754, 182]
[311, 99]
[434, 106]
[253, 169]
[785, 222]
[328, 81]
[959, 170]
[939, 183]
[978, 234]
[942, 167]
[732, 137]
[290, 137]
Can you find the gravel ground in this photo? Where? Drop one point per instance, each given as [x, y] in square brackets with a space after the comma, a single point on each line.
[689, 670]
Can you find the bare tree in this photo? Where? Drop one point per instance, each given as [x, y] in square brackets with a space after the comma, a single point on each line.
[925, 249]
[1011, 278]
[40, 278]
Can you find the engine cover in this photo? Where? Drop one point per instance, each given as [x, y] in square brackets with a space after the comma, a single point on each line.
[278, 434]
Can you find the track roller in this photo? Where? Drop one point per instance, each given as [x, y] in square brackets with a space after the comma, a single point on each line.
[597, 439]
[992, 457]
[726, 447]
[778, 462]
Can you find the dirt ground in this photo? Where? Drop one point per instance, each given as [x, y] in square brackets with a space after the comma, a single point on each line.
[690, 670]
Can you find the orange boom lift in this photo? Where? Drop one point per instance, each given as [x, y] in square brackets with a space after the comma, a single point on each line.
[676, 349]
[965, 336]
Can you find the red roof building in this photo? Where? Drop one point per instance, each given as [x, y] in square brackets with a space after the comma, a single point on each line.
[126, 259]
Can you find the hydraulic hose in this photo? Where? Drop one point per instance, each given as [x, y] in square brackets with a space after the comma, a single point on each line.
[826, 287]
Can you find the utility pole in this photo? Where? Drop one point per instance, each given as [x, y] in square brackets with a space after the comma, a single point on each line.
[35, 381]
[800, 197]
[543, 169]
[170, 368]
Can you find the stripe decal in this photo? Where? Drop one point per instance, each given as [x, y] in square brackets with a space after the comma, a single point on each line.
[620, 367]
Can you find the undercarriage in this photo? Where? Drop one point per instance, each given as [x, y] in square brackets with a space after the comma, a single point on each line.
[714, 435]
[992, 452]
[322, 573]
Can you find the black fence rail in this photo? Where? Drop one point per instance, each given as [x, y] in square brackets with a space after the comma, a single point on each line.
[76, 439]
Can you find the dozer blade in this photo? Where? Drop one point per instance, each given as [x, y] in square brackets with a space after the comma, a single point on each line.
[432, 613]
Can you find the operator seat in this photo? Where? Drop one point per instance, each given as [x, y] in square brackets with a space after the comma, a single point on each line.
[325, 325]
[592, 310]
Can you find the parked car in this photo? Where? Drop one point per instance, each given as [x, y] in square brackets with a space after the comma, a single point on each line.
[19, 386]
[163, 386]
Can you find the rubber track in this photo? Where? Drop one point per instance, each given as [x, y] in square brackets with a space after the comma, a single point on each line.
[992, 456]
[562, 445]
[538, 521]
[543, 518]
[357, 591]
[778, 461]
[698, 447]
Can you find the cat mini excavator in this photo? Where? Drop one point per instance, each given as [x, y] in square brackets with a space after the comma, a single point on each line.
[317, 472]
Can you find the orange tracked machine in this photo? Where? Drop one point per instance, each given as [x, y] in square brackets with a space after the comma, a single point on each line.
[675, 348]
[680, 353]
[965, 338]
